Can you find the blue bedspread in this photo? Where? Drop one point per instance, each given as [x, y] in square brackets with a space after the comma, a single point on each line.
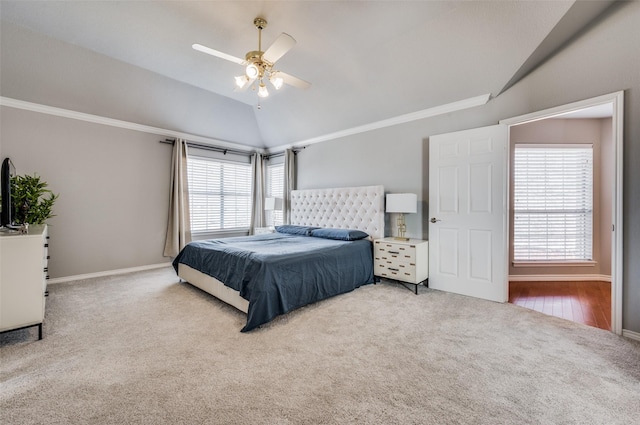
[278, 272]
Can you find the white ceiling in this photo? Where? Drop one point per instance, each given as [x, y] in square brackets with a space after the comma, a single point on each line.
[367, 61]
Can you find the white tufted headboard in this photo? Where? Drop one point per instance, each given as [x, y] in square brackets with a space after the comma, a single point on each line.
[359, 208]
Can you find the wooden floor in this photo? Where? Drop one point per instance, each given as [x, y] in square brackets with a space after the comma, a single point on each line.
[582, 302]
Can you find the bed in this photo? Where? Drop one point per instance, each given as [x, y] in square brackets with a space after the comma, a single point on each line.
[271, 274]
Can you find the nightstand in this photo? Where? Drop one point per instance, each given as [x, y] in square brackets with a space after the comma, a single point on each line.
[404, 261]
[263, 230]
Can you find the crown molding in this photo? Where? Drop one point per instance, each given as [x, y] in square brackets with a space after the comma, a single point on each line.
[400, 119]
[96, 119]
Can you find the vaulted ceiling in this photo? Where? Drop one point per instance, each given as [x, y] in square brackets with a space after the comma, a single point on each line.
[366, 61]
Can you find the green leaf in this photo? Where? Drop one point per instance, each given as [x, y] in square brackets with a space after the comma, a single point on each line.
[32, 201]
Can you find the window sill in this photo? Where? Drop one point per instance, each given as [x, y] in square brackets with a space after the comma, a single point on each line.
[586, 263]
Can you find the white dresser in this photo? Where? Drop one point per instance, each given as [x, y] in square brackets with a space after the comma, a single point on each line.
[405, 261]
[23, 278]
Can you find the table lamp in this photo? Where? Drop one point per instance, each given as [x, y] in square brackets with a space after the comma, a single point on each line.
[403, 203]
[272, 204]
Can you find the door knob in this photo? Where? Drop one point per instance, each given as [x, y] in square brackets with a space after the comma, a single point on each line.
[433, 219]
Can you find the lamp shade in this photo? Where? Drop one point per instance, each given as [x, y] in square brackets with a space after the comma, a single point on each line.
[271, 204]
[241, 81]
[262, 90]
[402, 203]
[276, 81]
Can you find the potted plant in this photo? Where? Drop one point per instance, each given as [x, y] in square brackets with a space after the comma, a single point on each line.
[32, 201]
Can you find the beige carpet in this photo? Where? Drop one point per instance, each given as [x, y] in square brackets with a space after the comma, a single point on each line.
[143, 348]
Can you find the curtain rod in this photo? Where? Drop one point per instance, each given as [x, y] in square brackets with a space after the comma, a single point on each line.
[210, 148]
[227, 150]
[281, 153]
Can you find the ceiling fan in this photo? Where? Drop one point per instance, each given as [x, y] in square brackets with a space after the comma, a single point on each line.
[259, 65]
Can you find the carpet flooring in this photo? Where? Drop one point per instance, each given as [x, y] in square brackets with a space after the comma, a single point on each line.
[144, 348]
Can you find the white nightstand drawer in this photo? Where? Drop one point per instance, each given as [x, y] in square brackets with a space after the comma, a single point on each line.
[397, 254]
[400, 252]
[401, 271]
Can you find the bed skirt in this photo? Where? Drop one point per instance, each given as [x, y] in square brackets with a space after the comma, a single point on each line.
[213, 286]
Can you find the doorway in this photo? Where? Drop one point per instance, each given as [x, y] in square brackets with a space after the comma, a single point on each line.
[565, 284]
[451, 269]
[586, 302]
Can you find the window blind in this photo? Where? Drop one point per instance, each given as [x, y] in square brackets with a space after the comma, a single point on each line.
[275, 188]
[219, 194]
[553, 203]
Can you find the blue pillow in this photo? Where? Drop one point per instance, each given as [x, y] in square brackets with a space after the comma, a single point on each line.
[339, 234]
[295, 230]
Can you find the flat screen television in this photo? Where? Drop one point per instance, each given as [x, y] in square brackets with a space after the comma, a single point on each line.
[5, 192]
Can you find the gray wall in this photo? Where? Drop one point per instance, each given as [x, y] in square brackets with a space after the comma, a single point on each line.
[43, 70]
[113, 185]
[604, 59]
[369, 159]
[607, 176]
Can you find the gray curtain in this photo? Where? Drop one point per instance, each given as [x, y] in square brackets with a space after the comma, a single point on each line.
[257, 194]
[289, 182]
[179, 225]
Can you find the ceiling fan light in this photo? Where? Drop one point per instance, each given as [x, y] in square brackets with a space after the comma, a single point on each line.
[276, 81]
[241, 81]
[252, 71]
[262, 90]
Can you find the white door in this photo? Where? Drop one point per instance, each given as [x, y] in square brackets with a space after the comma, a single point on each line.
[468, 213]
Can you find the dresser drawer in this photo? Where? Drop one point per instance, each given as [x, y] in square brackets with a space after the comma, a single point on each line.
[400, 271]
[386, 251]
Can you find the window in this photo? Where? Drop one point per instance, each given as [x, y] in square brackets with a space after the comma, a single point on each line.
[219, 194]
[553, 203]
[275, 189]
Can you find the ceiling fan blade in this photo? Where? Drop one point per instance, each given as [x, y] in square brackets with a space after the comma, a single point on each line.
[294, 81]
[221, 55]
[282, 45]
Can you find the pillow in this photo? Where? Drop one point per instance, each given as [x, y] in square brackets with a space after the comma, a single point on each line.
[339, 234]
[295, 230]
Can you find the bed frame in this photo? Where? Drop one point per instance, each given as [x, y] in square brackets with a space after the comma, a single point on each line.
[360, 208]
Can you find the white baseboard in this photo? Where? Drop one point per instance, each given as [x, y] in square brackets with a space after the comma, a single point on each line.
[106, 273]
[631, 334]
[559, 278]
